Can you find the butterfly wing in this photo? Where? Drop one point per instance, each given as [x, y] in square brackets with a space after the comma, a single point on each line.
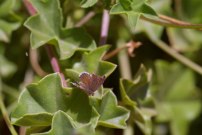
[85, 82]
[85, 78]
[89, 82]
[96, 82]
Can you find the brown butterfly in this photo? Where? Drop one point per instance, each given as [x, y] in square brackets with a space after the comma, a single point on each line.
[89, 82]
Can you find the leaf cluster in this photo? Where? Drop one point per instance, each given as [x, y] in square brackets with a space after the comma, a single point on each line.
[163, 97]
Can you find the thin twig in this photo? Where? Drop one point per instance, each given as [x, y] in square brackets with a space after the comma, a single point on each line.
[5, 113]
[172, 24]
[85, 19]
[33, 57]
[175, 23]
[22, 131]
[113, 53]
[54, 62]
[131, 46]
[197, 68]
[6, 117]
[105, 27]
[173, 20]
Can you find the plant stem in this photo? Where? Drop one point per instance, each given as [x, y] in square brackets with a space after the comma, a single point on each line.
[33, 57]
[5, 113]
[173, 20]
[177, 56]
[130, 46]
[114, 52]
[85, 19]
[105, 27]
[29, 7]
[167, 21]
[6, 117]
[55, 63]
[178, 7]
[22, 131]
[124, 62]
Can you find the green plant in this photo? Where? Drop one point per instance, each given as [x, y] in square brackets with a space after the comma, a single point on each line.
[162, 98]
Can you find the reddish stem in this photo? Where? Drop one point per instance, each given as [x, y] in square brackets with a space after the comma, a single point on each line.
[55, 64]
[105, 27]
[29, 7]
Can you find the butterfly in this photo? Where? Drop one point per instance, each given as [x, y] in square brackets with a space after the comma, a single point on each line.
[89, 83]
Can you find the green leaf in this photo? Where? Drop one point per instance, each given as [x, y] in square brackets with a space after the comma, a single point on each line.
[191, 10]
[136, 90]
[162, 6]
[36, 129]
[175, 94]
[186, 112]
[133, 9]
[126, 4]
[126, 84]
[39, 102]
[153, 30]
[111, 115]
[49, 30]
[6, 26]
[173, 83]
[133, 19]
[7, 68]
[91, 62]
[80, 110]
[6, 7]
[61, 125]
[6, 29]
[41, 99]
[142, 117]
[88, 3]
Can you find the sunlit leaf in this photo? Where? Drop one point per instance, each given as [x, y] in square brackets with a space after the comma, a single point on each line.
[111, 115]
[88, 3]
[133, 9]
[6, 7]
[7, 68]
[91, 62]
[61, 125]
[142, 117]
[50, 30]
[38, 103]
[162, 6]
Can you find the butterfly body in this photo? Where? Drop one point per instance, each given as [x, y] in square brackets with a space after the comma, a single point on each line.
[89, 82]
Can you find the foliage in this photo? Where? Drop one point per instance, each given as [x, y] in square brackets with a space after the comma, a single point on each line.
[46, 44]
